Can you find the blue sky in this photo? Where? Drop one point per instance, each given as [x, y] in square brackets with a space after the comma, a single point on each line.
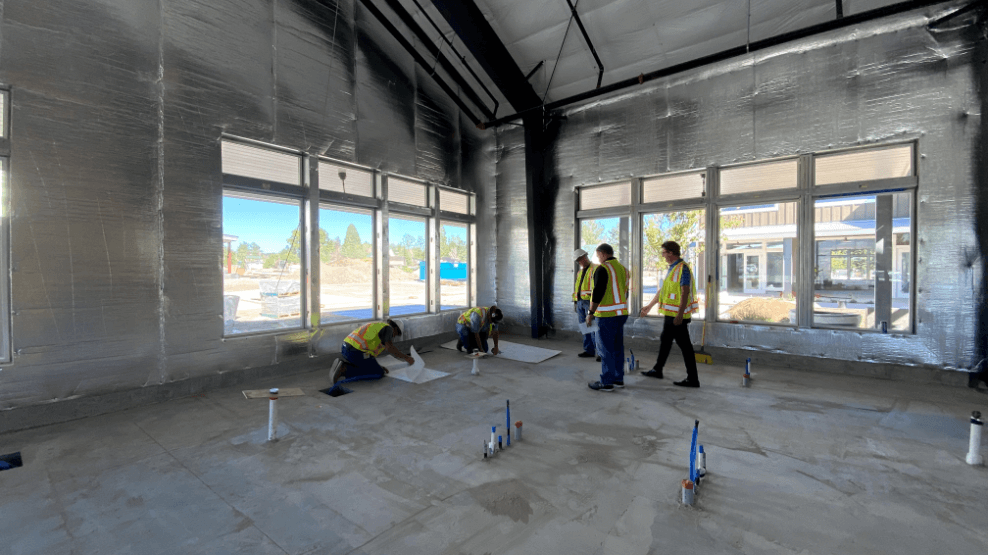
[270, 224]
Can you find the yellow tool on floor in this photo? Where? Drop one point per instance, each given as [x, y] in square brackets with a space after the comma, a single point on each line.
[701, 356]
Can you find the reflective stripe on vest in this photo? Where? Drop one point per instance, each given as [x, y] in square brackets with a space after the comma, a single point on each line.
[465, 317]
[671, 290]
[367, 338]
[615, 300]
[583, 288]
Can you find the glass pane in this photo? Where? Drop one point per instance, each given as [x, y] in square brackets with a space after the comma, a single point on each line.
[346, 252]
[453, 271]
[864, 165]
[261, 264]
[3, 113]
[613, 231]
[409, 270]
[618, 194]
[407, 192]
[859, 282]
[261, 163]
[674, 187]
[757, 276]
[345, 180]
[451, 201]
[686, 228]
[759, 177]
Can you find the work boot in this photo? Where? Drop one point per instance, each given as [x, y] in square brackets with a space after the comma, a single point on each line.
[585, 354]
[687, 383]
[459, 345]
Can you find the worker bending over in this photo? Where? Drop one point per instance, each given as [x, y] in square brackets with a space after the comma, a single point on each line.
[361, 349]
[475, 325]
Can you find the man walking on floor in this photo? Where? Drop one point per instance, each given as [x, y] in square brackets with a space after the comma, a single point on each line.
[677, 302]
[582, 289]
[609, 304]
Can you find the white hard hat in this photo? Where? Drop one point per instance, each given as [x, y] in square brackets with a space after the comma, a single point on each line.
[578, 253]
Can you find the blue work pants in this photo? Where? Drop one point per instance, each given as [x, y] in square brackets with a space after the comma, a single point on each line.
[468, 339]
[360, 367]
[589, 341]
[610, 348]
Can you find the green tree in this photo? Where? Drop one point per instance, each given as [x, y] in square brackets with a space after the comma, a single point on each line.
[246, 252]
[591, 234]
[352, 247]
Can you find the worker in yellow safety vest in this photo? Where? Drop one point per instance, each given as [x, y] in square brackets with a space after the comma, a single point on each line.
[582, 288]
[677, 302]
[609, 306]
[477, 324]
[361, 349]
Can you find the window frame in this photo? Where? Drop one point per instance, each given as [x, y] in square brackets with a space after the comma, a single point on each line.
[6, 300]
[375, 215]
[470, 220]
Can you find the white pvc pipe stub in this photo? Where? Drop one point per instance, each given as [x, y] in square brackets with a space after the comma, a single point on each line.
[273, 414]
[974, 456]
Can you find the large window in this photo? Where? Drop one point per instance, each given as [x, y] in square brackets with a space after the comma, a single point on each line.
[261, 262]
[686, 227]
[758, 244]
[409, 266]
[346, 253]
[454, 275]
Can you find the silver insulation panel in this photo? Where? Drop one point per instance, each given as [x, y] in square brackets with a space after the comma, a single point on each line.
[115, 180]
[888, 80]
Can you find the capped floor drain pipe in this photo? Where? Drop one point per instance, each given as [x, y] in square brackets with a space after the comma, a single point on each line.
[701, 463]
[687, 492]
[273, 414]
[974, 447]
[476, 369]
[518, 431]
[746, 378]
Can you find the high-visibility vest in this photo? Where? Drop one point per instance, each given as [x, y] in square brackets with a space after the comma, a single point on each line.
[615, 300]
[672, 291]
[582, 288]
[367, 338]
[465, 318]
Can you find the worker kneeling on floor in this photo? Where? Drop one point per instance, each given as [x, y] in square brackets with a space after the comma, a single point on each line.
[361, 349]
[475, 326]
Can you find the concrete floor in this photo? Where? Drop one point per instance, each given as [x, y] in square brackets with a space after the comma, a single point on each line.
[801, 463]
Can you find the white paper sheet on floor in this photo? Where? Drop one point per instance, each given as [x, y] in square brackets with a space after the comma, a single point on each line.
[416, 373]
[516, 351]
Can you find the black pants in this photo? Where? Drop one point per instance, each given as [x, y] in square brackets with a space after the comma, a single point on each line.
[681, 335]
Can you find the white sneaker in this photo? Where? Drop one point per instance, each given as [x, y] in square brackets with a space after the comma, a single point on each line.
[336, 371]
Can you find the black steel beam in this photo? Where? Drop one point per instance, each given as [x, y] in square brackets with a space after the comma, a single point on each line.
[433, 50]
[534, 69]
[586, 37]
[468, 22]
[541, 194]
[840, 9]
[456, 52]
[846, 21]
[376, 12]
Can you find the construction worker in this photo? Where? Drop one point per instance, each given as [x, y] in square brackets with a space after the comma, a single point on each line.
[677, 302]
[582, 288]
[361, 349]
[609, 305]
[475, 325]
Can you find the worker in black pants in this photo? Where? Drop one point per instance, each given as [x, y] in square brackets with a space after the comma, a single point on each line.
[678, 301]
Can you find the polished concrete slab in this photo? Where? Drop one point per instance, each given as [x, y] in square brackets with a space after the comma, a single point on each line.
[802, 462]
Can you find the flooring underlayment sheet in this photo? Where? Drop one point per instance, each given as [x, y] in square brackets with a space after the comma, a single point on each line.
[416, 373]
[517, 351]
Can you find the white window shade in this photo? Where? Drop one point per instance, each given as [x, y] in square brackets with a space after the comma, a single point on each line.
[451, 201]
[759, 177]
[355, 182]
[406, 192]
[673, 187]
[864, 165]
[261, 163]
[605, 196]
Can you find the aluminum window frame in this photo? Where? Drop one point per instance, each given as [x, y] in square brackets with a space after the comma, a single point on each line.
[470, 220]
[375, 214]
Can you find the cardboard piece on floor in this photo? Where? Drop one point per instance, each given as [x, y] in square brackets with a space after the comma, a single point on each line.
[516, 351]
[416, 373]
[265, 393]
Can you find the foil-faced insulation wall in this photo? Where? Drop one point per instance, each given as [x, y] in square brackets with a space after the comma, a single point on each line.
[115, 172]
[889, 80]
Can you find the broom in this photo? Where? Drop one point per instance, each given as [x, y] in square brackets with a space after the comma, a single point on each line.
[701, 356]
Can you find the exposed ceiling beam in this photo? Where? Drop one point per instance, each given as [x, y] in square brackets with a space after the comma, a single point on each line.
[469, 23]
[845, 21]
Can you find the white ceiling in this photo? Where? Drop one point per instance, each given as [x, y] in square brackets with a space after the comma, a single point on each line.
[630, 36]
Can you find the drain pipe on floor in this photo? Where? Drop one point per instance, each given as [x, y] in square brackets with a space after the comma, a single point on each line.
[974, 447]
[273, 414]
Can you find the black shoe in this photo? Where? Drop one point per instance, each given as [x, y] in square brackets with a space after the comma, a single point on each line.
[459, 345]
[653, 373]
[687, 383]
[597, 386]
[598, 359]
[337, 372]
[585, 354]
[619, 385]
